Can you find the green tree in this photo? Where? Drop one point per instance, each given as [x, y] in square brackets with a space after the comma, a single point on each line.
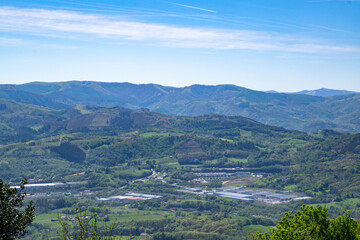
[312, 223]
[14, 218]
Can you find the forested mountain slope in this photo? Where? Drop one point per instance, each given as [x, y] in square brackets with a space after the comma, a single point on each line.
[330, 165]
[13, 92]
[86, 136]
[110, 136]
[107, 151]
[293, 111]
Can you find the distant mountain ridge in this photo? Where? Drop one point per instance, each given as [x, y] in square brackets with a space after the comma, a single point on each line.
[324, 92]
[13, 92]
[321, 92]
[293, 111]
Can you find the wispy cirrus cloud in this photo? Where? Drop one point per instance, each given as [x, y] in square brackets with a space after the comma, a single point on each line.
[62, 23]
[193, 7]
[11, 41]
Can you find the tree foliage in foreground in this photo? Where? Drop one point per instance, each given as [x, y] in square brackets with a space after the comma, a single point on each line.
[14, 219]
[87, 227]
[312, 223]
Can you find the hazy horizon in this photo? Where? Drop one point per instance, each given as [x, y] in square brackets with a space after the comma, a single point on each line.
[278, 45]
[185, 86]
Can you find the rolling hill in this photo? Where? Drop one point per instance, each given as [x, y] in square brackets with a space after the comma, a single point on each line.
[43, 138]
[87, 136]
[293, 111]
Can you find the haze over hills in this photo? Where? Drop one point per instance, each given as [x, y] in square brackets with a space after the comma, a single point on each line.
[303, 112]
[14, 93]
[321, 92]
[324, 92]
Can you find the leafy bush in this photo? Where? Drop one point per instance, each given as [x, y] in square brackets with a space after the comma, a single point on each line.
[312, 223]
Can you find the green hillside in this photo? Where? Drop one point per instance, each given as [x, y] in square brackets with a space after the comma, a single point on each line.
[85, 137]
[112, 136]
[328, 167]
[293, 111]
[97, 152]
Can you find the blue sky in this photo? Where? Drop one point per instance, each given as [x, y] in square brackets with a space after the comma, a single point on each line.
[287, 45]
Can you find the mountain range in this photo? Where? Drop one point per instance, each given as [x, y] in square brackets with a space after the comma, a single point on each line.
[322, 92]
[308, 111]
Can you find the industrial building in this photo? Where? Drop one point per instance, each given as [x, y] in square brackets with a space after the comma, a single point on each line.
[130, 197]
[244, 194]
[238, 196]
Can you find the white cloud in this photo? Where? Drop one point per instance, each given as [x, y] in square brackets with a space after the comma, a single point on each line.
[11, 41]
[62, 23]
